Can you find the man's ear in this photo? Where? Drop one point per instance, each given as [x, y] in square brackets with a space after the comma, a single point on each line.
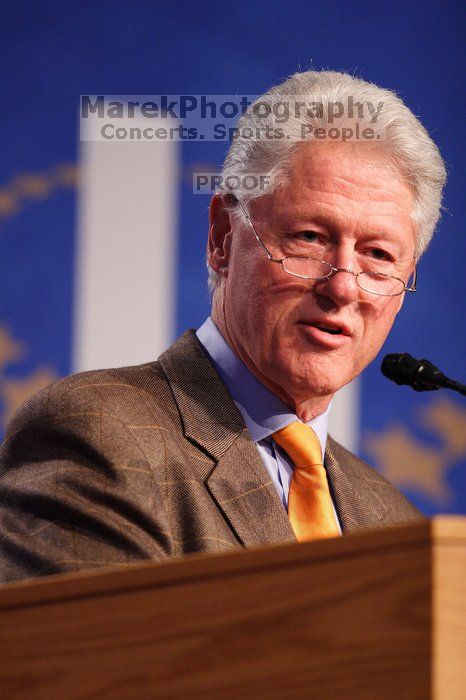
[219, 242]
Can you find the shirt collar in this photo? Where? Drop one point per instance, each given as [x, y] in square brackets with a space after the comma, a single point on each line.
[262, 411]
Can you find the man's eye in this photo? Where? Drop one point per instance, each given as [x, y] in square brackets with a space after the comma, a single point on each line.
[308, 236]
[379, 254]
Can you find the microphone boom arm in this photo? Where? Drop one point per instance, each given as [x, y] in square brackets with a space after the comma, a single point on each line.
[421, 375]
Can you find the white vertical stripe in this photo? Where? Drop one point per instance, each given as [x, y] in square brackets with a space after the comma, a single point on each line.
[344, 416]
[126, 252]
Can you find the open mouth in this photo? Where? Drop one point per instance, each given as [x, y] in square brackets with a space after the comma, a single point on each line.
[332, 331]
[317, 329]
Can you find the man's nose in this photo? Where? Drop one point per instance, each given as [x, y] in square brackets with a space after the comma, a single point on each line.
[341, 287]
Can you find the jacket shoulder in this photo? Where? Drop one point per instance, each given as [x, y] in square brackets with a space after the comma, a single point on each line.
[124, 393]
[79, 474]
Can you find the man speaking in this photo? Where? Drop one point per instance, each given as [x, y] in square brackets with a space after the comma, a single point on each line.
[222, 442]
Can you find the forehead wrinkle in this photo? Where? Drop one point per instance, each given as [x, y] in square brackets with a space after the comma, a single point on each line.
[358, 190]
[336, 214]
[355, 186]
[333, 185]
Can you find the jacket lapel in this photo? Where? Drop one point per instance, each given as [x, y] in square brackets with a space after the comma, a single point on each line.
[244, 492]
[359, 506]
[239, 482]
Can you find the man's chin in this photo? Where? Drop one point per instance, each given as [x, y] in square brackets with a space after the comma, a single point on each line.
[309, 388]
[318, 385]
[307, 378]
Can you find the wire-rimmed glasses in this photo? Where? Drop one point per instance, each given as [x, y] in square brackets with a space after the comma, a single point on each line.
[378, 283]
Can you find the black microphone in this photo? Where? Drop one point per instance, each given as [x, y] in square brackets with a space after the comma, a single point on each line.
[421, 375]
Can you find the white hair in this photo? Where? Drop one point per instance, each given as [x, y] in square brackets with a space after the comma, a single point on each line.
[396, 130]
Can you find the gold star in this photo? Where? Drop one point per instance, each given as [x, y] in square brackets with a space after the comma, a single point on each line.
[448, 419]
[407, 463]
[16, 391]
[36, 186]
[10, 349]
[8, 203]
[33, 185]
[66, 175]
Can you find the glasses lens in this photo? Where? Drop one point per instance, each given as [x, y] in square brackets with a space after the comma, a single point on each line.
[309, 268]
[380, 284]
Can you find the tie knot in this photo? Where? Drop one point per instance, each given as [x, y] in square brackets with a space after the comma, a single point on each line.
[300, 443]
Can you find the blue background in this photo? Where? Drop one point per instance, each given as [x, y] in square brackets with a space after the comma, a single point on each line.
[53, 52]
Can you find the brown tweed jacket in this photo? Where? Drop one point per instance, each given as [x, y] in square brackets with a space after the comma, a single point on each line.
[149, 462]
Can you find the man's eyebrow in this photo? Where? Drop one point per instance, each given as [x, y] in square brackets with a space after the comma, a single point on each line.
[293, 220]
[333, 223]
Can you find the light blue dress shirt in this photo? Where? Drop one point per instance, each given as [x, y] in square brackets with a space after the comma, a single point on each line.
[262, 411]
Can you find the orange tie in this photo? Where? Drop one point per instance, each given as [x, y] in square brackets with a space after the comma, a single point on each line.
[310, 508]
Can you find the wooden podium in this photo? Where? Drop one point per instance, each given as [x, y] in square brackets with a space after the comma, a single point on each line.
[371, 616]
